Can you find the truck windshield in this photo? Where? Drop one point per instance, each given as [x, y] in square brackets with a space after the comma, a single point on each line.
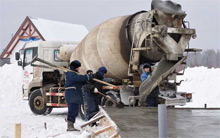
[29, 54]
[28, 57]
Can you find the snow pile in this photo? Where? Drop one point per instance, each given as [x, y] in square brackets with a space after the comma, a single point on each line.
[10, 84]
[15, 110]
[204, 84]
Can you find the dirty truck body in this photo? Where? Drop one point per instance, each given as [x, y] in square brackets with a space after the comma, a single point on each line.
[35, 77]
[122, 45]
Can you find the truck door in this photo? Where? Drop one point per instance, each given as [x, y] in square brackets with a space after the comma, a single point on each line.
[29, 53]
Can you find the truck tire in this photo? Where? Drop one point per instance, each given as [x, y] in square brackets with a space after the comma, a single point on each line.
[37, 103]
[108, 103]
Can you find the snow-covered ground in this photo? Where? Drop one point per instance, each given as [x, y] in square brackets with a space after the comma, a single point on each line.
[14, 110]
[203, 82]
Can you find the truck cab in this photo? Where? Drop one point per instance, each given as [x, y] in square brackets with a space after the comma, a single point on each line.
[36, 78]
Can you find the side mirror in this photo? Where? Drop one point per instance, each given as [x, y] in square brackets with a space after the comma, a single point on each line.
[19, 63]
[17, 56]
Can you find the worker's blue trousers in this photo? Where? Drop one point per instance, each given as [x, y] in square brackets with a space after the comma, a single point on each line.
[92, 104]
[73, 110]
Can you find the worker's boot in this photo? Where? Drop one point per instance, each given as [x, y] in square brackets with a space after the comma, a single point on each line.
[70, 126]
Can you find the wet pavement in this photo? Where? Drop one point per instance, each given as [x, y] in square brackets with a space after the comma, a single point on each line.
[142, 122]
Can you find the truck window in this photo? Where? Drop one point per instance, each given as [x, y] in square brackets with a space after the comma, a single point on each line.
[29, 54]
[57, 55]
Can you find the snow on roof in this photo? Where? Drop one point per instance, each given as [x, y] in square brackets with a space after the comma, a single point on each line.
[59, 31]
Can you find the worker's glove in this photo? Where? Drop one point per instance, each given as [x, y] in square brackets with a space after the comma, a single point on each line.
[96, 90]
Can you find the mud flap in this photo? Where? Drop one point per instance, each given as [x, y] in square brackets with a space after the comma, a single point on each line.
[161, 72]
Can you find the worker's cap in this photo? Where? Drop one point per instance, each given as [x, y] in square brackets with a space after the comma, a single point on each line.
[103, 70]
[89, 71]
[146, 65]
[75, 64]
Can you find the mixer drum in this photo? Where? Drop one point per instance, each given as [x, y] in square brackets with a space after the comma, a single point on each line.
[109, 45]
[106, 45]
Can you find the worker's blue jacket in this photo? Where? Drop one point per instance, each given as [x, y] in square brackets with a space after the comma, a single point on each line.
[73, 87]
[144, 76]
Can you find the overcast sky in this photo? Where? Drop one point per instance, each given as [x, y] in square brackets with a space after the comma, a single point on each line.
[204, 15]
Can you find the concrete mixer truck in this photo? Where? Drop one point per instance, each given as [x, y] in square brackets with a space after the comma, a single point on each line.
[121, 44]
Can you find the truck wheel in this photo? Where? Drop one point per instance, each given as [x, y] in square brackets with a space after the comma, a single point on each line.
[37, 104]
[109, 103]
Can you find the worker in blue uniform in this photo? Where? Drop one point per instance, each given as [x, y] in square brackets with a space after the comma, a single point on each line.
[152, 98]
[92, 99]
[100, 74]
[91, 106]
[73, 92]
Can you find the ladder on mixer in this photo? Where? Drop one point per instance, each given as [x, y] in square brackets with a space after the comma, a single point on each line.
[136, 49]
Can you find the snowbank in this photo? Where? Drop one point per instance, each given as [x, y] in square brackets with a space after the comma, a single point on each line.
[204, 84]
[10, 84]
